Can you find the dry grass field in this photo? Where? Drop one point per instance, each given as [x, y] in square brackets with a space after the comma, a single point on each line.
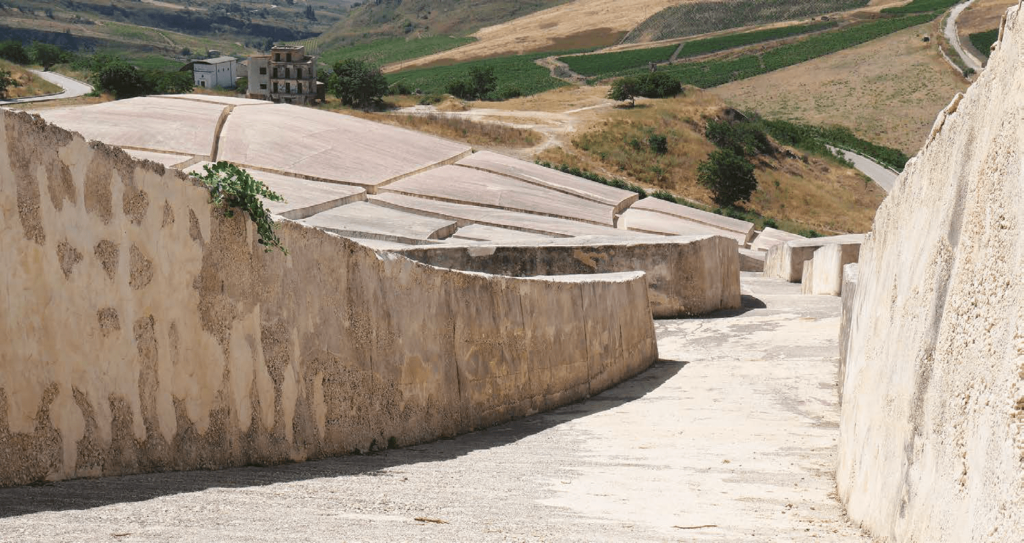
[576, 24]
[887, 91]
[30, 83]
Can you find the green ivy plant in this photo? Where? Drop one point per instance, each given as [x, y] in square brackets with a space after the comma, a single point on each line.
[232, 187]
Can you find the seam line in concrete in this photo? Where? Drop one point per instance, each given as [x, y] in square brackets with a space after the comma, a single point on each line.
[221, 121]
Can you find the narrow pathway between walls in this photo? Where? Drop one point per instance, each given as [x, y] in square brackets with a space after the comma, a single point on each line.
[730, 437]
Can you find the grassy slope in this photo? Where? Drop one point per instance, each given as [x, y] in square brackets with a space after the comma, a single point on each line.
[517, 72]
[818, 194]
[31, 84]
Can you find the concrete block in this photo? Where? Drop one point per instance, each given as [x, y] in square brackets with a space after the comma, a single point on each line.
[550, 178]
[719, 222]
[751, 260]
[786, 260]
[365, 220]
[686, 276]
[770, 237]
[849, 293]
[826, 276]
[651, 222]
[456, 184]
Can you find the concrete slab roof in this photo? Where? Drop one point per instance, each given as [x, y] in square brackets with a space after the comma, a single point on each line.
[215, 99]
[642, 220]
[167, 159]
[514, 220]
[480, 232]
[658, 205]
[147, 123]
[550, 178]
[329, 146]
[303, 198]
[217, 60]
[365, 220]
[467, 185]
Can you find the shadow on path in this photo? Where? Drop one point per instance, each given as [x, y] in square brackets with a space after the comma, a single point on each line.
[83, 494]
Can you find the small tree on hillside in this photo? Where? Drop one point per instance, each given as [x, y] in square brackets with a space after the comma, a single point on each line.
[121, 79]
[481, 83]
[624, 89]
[6, 82]
[358, 83]
[47, 55]
[13, 51]
[728, 176]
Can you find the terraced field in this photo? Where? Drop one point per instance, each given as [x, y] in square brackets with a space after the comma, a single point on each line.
[390, 50]
[690, 19]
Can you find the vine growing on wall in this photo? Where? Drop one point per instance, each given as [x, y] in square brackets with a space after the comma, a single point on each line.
[233, 188]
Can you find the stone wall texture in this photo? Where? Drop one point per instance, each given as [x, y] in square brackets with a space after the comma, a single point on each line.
[141, 330]
[932, 426]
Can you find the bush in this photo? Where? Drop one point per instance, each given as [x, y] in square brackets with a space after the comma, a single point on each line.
[658, 143]
[740, 137]
[624, 88]
[13, 51]
[232, 187]
[6, 81]
[116, 76]
[480, 83]
[728, 176]
[47, 55]
[358, 83]
[649, 85]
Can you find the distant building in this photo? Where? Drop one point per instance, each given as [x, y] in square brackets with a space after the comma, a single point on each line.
[285, 75]
[214, 72]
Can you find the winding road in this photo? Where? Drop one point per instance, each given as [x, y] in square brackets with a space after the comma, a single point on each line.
[954, 37]
[878, 173]
[73, 88]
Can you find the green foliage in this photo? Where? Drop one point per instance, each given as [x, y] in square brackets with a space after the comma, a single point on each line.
[742, 138]
[6, 81]
[626, 62]
[612, 63]
[658, 143]
[480, 84]
[647, 85]
[233, 188]
[922, 6]
[358, 83]
[617, 183]
[982, 41]
[389, 50]
[693, 18]
[813, 139]
[47, 55]
[13, 51]
[712, 73]
[514, 72]
[116, 76]
[728, 176]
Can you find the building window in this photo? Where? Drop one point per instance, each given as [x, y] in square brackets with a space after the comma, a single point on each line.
[263, 71]
[289, 57]
[275, 87]
[299, 88]
[287, 73]
[298, 73]
[287, 87]
[275, 73]
[277, 57]
[263, 86]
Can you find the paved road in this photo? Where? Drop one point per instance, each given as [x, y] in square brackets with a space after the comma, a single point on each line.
[878, 173]
[954, 37]
[731, 437]
[72, 89]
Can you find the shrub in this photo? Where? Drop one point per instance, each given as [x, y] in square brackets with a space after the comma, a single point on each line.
[6, 81]
[728, 176]
[233, 188]
[13, 51]
[740, 137]
[664, 195]
[479, 84]
[658, 143]
[358, 83]
[657, 85]
[623, 89]
[47, 55]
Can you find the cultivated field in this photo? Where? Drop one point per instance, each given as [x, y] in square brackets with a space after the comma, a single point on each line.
[888, 90]
[978, 25]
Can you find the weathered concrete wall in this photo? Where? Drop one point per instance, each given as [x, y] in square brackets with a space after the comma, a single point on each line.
[786, 260]
[850, 275]
[141, 330]
[932, 427]
[823, 274]
[686, 276]
[751, 260]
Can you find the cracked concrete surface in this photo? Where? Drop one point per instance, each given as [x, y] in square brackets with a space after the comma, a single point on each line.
[731, 437]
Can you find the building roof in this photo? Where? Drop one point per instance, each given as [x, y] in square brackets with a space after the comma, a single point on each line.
[218, 60]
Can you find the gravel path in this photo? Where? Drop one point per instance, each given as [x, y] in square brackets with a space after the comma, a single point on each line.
[73, 88]
[730, 437]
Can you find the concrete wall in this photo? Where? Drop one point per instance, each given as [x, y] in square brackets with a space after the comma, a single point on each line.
[850, 275]
[686, 276]
[931, 442]
[786, 260]
[141, 330]
[823, 274]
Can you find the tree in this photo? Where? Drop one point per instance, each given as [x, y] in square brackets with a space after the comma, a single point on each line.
[47, 55]
[121, 79]
[13, 51]
[310, 14]
[6, 81]
[728, 176]
[479, 84]
[623, 89]
[358, 83]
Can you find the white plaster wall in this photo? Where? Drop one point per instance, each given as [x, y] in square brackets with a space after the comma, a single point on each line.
[932, 429]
